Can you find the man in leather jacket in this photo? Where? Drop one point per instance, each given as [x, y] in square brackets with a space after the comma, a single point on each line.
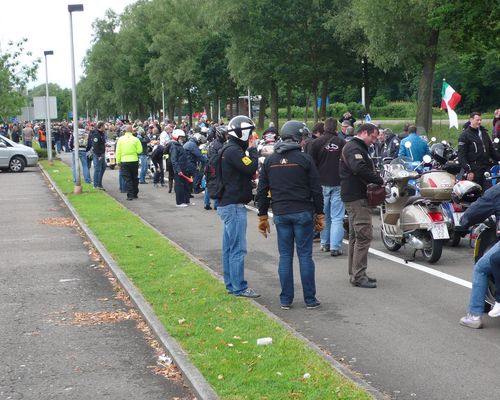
[475, 150]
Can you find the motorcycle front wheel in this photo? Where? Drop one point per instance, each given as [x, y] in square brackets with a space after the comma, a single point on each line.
[433, 254]
[389, 243]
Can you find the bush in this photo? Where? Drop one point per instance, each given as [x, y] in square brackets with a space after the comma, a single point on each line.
[42, 153]
[379, 101]
[395, 109]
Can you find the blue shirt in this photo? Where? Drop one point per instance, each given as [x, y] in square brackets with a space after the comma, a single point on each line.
[418, 150]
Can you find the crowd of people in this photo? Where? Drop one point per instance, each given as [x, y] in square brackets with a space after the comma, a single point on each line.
[310, 180]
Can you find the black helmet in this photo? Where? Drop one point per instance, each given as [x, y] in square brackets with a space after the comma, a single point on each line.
[294, 130]
[240, 127]
[440, 152]
[465, 192]
[220, 132]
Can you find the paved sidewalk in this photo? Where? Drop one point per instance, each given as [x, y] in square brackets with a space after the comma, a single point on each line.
[65, 330]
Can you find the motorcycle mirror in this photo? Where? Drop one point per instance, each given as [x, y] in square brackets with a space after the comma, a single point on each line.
[407, 145]
[433, 139]
[427, 159]
[496, 140]
[487, 174]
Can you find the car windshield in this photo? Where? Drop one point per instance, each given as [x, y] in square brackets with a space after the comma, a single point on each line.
[6, 141]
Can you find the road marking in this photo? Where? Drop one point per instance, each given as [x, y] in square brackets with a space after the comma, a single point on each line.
[418, 267]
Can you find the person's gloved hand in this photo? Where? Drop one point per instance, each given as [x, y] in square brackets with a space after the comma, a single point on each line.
[264, 227]
[319, 222]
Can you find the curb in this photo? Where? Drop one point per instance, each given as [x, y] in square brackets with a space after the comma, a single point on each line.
[197, 381]
[339, 367]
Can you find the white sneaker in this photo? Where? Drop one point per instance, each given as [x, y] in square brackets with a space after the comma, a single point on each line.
[182, 205]
[191, 204]
[495, 311]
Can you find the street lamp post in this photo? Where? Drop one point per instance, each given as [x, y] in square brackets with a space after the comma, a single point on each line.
[47, 107]
[78, 183]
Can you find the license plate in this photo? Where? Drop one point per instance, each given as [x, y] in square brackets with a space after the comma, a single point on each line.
[440, 231]
[456, 218]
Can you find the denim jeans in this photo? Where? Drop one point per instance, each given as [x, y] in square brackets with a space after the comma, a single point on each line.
[234, 246]
[82, 155]
[58, 146]
[28, 143]
[121, 181]
[99, 168]
[143, 159]
[334, 210]
[206, 199]
[482, 270]
[296, 228]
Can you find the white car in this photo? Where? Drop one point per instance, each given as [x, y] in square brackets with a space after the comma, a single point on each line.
[15, 156]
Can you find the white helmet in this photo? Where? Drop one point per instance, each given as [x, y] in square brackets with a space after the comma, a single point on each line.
[240, 127]
[177, 133]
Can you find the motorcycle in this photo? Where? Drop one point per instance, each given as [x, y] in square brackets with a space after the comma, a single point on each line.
[109, 154]
[415, 219]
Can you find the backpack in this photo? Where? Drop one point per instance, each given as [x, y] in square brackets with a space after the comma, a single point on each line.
[213, 175]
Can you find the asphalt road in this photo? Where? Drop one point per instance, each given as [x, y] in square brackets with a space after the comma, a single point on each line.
[403, 337]
[59, 335]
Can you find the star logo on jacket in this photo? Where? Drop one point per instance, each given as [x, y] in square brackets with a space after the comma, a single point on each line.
[283, 161]
[331, 147]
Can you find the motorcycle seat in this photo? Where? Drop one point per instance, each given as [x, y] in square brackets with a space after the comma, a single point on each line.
[413, 200]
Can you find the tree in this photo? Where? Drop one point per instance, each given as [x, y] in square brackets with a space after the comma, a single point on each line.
[14, 76]
[405, 33]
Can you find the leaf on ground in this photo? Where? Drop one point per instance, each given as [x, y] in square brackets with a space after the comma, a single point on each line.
[57, 221]
[102, 317]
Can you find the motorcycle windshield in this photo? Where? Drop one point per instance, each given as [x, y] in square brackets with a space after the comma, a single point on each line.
[406, 162]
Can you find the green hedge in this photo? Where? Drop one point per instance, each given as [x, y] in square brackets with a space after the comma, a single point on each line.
[380, 108]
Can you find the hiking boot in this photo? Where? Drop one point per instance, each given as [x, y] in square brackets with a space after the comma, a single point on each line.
[312, 306]
[325, 248]
[250, 293]
[364, 283]
[495, 311]
[335, 253]
[472, 321]
[207, 207]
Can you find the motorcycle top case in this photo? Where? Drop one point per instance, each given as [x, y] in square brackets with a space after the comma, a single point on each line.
[436, 185]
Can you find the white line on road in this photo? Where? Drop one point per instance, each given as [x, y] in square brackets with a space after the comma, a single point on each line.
[418, 267]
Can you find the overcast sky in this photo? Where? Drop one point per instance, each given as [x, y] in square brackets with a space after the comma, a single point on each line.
[45, 23]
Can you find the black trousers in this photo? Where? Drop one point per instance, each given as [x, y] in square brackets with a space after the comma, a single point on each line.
[181, 190]
[131, 178]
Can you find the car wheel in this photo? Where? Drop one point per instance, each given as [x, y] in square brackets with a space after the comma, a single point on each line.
[17, 164]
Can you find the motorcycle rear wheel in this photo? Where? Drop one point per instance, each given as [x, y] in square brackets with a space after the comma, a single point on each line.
[389, 243]
[455, 238]
[433, 254]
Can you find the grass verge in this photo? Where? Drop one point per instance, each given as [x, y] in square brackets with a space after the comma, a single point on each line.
[218, 331]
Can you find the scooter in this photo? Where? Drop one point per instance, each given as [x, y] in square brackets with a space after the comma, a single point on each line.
[415, 219]
[109, 154]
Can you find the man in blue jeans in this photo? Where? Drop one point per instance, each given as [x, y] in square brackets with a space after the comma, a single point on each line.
[238, 162]
[292, 179]
[326, 152]
[488, 264]
[98, 150]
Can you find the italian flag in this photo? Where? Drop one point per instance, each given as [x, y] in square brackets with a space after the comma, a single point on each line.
[450, 98]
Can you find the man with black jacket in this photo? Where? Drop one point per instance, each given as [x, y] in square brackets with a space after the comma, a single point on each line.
[356, 172]
[475, 150]
[98, 150]
[293, 180]
[239, 161]
[326, 151]
[488, 264]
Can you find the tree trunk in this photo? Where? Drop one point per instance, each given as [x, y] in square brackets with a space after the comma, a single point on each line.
[179, 114]
[289, 102]
[423, 120]
[237, 102]
[315, 102]
[262, 111]
[215, 116]
[208, 111]
[324, 95]
[274, 103]
[307, 108]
